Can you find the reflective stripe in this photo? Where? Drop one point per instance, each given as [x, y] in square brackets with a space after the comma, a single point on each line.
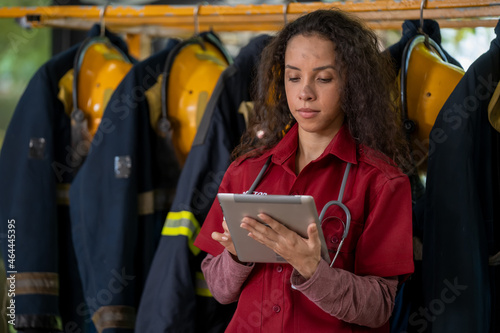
[202, 286]
[62, 194]
[146, 203]
[182, 224]
[37, 283]
[151, 201]
[116, 316]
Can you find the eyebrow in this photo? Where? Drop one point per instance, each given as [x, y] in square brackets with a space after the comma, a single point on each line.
[314, 69]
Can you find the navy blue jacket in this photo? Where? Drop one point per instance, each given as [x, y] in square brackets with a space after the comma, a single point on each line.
[120, 198]
[461, 209]
[176, 298]
[409, 297]
[36, 171]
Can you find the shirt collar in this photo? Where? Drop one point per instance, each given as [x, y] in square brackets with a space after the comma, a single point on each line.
[342, 146]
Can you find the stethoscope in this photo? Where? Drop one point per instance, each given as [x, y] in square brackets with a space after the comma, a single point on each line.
[337, 202]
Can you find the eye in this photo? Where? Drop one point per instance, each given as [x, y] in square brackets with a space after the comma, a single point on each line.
[294, 79]
[324, 80]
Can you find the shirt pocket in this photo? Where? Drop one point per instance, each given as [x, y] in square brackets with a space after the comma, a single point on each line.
[333, 226]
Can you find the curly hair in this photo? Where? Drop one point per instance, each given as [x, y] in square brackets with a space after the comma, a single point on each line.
[368, 97]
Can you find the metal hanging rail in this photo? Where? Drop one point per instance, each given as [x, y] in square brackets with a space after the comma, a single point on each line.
[168, 20]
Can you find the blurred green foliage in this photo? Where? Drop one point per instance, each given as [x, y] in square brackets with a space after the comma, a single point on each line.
[22, 52]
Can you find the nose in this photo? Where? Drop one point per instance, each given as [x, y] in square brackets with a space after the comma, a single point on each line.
[306, 93]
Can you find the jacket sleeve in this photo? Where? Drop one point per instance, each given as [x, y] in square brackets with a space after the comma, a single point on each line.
[28, 208]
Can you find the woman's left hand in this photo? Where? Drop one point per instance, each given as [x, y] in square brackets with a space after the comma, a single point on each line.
[304, 254]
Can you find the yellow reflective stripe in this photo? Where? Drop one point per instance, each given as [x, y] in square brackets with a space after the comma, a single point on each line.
[182, 224]
[202, 286]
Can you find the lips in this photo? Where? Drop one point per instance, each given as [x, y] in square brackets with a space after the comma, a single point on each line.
[307, 113]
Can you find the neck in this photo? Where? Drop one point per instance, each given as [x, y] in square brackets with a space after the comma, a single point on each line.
[310, 147]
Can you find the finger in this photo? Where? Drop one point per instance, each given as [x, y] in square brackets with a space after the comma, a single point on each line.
[269, 220]
[254, 226]
[313, 234]
[263, 234]
[219, 237]
[275, 225]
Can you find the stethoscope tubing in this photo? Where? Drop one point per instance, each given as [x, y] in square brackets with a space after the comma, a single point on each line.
[346, 210]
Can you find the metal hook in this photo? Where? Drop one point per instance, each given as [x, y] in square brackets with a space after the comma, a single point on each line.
[196, 19]
[101, 19]
[285, 11]
[422, 5]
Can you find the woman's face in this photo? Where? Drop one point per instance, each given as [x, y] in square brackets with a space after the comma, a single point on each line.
[313, 85]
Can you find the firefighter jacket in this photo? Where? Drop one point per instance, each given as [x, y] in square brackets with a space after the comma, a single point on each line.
[121, 195]
[176, 298]
[36, 170]
[462, 216]
[410, 295]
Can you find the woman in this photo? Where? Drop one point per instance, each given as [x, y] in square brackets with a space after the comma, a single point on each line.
[323, 82]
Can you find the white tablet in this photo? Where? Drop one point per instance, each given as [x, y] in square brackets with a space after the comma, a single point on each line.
[296, 212]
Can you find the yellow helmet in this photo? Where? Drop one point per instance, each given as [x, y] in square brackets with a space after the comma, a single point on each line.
[427, 80]
[192, 70]
[99, 67]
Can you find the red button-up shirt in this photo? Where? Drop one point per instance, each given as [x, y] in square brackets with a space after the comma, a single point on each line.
[379, 242]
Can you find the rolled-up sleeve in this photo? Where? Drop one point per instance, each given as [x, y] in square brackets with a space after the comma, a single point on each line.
[225, 276]
[362, 300]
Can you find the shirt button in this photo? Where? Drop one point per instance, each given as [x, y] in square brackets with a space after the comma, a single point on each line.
[279, 269]
[334, 239]
[276, 308]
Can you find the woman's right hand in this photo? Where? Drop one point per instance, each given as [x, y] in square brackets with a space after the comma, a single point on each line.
[225, 239]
